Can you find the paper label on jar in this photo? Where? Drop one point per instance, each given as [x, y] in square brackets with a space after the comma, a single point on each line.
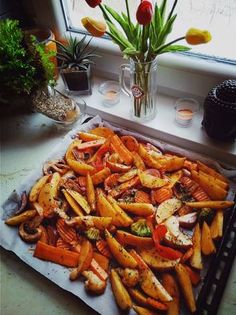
[137, 91]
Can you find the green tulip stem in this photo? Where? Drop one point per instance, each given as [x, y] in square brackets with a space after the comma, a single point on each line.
[106, 17]
[127, 9]
[168, 44]
[172, 10]
[143, 42]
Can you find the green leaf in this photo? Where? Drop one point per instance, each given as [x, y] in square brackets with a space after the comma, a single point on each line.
[173, 48]
[124, 25]
[163, 9]
[118, 36]
[131, 51]
[166, 31]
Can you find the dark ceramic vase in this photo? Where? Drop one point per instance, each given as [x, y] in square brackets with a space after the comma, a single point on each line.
[219, 120]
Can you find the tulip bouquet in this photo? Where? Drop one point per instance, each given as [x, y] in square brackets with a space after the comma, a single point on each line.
[143, 40]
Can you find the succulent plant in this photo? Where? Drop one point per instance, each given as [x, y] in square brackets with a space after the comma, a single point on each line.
[75, 54]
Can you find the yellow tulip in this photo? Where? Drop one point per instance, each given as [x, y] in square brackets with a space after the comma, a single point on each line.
[195, 36]
[95, 28]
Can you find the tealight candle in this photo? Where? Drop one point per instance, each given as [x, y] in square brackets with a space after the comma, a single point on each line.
[184, 111]
[111, 93]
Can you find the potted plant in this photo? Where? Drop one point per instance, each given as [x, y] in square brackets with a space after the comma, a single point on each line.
[27, 75]
[25, 66]
[75, 59]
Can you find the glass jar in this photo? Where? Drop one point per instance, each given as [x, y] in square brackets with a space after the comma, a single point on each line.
[143, 88]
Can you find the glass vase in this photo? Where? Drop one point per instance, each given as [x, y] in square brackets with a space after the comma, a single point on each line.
[142, 89]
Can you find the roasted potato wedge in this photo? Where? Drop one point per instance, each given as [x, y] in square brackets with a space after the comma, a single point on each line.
[207, 243]
[49, 193]
[80, 200]
[80, 167]
[210, 204]
[90, 192]
[100, 176]
[217, 181]
[155, 261]
[211, 171]
[138, 162]
[100, 223]
[123, 216]
[150, 181]
[172, 288]
[102, 132]
[186, 287]
[35, 190]
[152, 287]
[119, 252]
[106, 209]
[23, 217]
[85, 259]
[86, 136]
[214, 191]
[74, 205]
[69, 152]
[167, 209]
[140, 209]
[173, 163]
[196, 258]
[143, 310]
[217, 225]
[121, 294]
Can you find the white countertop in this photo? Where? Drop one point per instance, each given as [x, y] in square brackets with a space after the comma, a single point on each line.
[26, 140]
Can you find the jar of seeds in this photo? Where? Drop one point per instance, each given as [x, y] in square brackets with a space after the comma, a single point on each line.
[57, 106]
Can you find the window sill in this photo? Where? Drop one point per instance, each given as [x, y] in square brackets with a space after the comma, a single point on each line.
[163, 126]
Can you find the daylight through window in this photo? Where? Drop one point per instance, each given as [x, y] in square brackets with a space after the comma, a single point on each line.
[218, 16]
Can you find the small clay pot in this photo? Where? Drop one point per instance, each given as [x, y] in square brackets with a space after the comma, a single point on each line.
[219, 120]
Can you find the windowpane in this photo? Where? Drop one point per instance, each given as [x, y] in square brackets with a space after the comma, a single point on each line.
[218, 16]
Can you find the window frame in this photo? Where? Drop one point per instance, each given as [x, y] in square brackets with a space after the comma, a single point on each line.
[180, 74]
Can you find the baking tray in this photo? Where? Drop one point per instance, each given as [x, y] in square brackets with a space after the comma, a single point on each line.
[215, 275]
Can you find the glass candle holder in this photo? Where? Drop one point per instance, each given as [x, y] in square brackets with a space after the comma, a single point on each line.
[185, 109]
[110, 91]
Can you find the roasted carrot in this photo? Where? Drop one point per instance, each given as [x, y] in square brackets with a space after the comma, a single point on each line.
[200, 195]
[52, 235]
[67, 233]
[162, 194]
[94, 266]
[102, 260]
[126, 238]
[56, 255]
[142, 196]
[123, 152]
[103, 248]
[98, 270]
[44, 235]
[62, 244]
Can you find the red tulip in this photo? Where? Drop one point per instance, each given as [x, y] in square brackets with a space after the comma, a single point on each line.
[144, 12]
[93, 3]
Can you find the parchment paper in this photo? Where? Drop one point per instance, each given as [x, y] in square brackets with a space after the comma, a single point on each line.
[9, 239]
